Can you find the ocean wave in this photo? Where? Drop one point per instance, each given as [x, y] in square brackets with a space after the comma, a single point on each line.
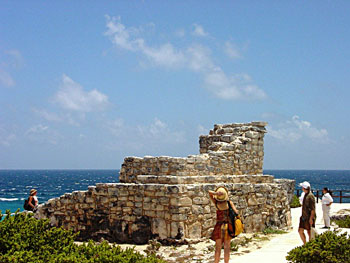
[8, 199]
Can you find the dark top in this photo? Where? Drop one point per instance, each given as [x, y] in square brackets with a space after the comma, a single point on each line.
[308, 205]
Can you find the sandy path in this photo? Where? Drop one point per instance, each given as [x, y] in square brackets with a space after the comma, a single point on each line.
[275, 251]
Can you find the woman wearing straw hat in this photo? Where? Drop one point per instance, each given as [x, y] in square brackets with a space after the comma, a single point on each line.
[32, 200]
[220, 233]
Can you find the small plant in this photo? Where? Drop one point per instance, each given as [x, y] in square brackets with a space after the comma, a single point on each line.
[234, 246]
[261, 238]
[295, 202]
[153, 248]
[344, 223]
[270, 231]
[329, 247]
[211, 248]
[246, 241]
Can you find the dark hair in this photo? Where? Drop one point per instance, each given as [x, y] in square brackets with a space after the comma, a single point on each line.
[327, 190]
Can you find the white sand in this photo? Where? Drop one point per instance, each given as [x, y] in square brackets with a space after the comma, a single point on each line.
[275, 251]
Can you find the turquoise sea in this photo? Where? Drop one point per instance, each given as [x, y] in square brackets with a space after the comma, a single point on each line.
[16, 184]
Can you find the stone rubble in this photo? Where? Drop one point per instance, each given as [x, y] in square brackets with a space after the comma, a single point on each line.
[166, 198]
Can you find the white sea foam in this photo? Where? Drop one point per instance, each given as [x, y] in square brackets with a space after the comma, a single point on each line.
[8, 199]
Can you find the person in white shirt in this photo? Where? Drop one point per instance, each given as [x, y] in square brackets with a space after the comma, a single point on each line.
[327, 200]
[301, 198]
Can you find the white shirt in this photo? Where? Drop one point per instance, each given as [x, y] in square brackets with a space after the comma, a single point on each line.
[35, 199]
[327, 199]
[301, 198]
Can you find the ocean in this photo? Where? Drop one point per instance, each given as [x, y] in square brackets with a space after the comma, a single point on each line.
[16, 184]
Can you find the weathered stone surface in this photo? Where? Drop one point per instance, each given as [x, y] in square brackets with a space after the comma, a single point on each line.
[341, 214]
[167, 197]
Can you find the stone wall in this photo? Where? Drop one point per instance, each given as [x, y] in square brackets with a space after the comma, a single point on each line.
[289, 186]
[167, 197]
[228, 149]
[135, 213]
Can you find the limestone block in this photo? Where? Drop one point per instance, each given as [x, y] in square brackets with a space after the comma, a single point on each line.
[179, 217]
[185, 201]
[177, 230]
[150, 213]
[197, 209]
[184, 210]
[200, 200]
[195, 231]
[159, 227]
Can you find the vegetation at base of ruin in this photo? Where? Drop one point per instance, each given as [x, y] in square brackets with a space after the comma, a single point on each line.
[295, 202]
[257, 237]
[344, 223]
[270, 231]
[234, 247]
[26, 239]
[152, 249]
[329, 247]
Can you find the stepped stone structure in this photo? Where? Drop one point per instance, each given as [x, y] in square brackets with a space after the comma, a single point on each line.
[167, 197]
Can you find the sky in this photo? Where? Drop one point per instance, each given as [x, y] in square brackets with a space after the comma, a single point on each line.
[83, 84]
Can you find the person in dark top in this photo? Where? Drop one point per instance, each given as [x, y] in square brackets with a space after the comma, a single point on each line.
[220, 233]
[308, 212]
[32, 200]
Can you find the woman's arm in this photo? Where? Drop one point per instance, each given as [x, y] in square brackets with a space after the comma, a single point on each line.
[233, 207]
[211, 195]
[330, 199]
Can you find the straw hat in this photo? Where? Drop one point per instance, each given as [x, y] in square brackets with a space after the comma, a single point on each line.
[221, 200]
[223, 196]
[33, 191]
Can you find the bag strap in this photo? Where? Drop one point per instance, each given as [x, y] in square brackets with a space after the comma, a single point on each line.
[230, 207]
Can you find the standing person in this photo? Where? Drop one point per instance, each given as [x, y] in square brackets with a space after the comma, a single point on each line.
[308, 214]
[327, 200]
[32, 200]
[220, 233]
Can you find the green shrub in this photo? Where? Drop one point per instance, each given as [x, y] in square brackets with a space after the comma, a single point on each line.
[25, 239]
[295, 202]
[344, 223]
[269, 231]
[329, 247]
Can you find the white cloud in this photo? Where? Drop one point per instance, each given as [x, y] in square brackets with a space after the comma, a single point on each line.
[296, 129]
[116, 126]
[153, 138]
[71, 96]
[180, 33]
[49, 116]
[37, 129]
[42, 134]
[165, 55]
[6, 138]
[12, 59]
[15, 58]
[202, 130]
[196, 58]
[6, 79]
[237, 87]
[198, 30]
[199, 59]
[231, 50]
[127, 38]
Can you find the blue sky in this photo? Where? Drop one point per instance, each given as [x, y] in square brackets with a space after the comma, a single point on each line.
[84, 84]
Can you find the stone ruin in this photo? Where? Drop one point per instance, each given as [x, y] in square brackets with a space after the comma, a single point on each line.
[166, 198]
